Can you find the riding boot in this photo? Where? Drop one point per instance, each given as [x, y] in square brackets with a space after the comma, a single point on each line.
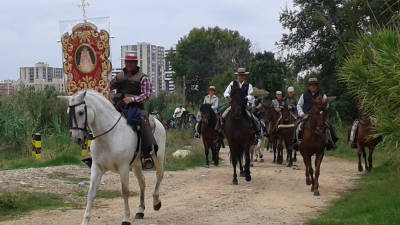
[148, 142]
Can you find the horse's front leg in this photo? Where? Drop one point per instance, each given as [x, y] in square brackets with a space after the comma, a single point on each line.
[241, 166]
[289, 151]
[206, 151]
[142, 185]
[318, 161]
[371, 151]
[234, 162]
[159, 164]
[95, 177]
[359, 153]
[124, 175]
[247, 165]
[307, 164]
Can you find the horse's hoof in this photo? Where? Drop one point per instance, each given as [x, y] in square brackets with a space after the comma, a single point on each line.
[360, 169]
[274, 161]
[157, 207]
[126, 223]
[248, 178]
[255, 160]
[261, 160]
[308, 182]
[251, 164]
[242, 174]
[290, 164]
[235, 182]
[139, 216]
[316, 193]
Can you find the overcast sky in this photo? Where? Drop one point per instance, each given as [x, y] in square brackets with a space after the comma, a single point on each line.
[30, 28]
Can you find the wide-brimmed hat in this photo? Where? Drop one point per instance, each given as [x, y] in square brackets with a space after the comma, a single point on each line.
[278, 92]
[241, 71]
[130, 57]
[212, 88]
[313, 80]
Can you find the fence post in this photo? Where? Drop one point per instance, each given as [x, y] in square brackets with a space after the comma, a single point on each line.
[37, 146]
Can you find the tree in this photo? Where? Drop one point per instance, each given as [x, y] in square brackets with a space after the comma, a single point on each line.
[204, 54]
[319, 31]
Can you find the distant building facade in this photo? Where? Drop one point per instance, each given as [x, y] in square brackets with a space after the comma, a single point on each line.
[168, 81]
[40, 76]
[151, 62]
[6, 87]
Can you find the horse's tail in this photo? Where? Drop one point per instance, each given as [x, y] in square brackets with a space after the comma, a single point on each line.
[236, 155]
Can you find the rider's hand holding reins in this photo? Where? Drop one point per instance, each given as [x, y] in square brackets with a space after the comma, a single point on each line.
[127, 100]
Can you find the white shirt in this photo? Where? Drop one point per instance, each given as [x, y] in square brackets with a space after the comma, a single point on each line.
[249, 96]
[301, 103]
[212, 101]
[178, 112]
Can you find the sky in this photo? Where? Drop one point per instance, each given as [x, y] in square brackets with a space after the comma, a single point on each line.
[30, 28]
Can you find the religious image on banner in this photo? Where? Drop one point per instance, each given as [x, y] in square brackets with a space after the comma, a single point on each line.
[86, 53]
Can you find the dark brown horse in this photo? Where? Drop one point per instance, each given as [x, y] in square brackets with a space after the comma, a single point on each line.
[314, 141]
[365, 138]
[272, 117]
[209, 134]
[286, 135]
[238, 130]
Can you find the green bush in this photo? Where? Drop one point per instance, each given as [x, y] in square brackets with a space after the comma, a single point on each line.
[372, 76]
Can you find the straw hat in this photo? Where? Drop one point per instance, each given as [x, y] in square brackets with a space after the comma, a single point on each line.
[212, 88]
[313, 80]
[241, 71]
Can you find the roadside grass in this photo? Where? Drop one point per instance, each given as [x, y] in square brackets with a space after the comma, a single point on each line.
[56, 151]
[178, 139]
[376, 197]
[14, 204]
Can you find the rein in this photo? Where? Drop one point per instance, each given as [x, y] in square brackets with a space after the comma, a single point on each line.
[72, 118]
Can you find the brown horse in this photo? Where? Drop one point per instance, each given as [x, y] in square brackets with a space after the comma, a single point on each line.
[272, 117]
[238, 130]
[365, 138]
[209, 134]
[314, 141]
[286, 135]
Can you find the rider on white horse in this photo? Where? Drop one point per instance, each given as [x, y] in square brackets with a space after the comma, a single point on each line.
[131, 90]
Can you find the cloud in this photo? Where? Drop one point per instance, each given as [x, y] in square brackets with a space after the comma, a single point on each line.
[30, 28]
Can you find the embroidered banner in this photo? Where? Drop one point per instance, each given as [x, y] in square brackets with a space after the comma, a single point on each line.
[86, 53]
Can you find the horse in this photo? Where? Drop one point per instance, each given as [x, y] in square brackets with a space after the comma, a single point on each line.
[272, 117]
[209, 135]
[113, 148]
[238, 130]
[286, 135]
[314, 141]
[365, 138]
[261, 142]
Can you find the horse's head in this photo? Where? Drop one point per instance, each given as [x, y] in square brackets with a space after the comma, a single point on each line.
[205, 111]
[287, 118]
[238, 103]
[271, 114]
[319, 110]
[79, 116]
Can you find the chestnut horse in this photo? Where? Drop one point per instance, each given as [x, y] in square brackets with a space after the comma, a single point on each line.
[365, 138]
[272, 117]
[209, 134]
[314, 141]
[286, 135]
[238, 130]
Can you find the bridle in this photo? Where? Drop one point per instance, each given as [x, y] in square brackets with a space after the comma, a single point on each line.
[73, 119]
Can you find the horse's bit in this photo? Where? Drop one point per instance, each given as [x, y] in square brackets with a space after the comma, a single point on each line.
[72, 119]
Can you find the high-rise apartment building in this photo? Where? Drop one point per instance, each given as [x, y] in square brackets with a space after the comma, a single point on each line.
[41, 76]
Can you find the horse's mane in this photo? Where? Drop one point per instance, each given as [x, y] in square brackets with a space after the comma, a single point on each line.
[99, 97]
[213, 118]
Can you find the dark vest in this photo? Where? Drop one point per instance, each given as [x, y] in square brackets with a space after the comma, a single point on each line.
[129, 86]
[308, 100]
[244, 88]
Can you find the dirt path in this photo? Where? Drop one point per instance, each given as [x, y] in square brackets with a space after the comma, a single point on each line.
[276, 195]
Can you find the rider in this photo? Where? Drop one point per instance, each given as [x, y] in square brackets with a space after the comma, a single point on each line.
[133, 89]
[278, 105]
[211, 99]
[291, 102]
[258, 112]
[241, 83]
[178, 112]
[304, 107]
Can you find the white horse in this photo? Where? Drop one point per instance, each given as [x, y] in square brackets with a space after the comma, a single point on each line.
[113, 148]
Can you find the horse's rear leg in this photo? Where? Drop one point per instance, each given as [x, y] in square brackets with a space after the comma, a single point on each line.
[124, 175]
[142, 184]
[365, 158]
[159, 164]
[240, 159]
[307, 164]
[371, 151]
[289, 153]
[359, 152]
[95, 178]
[318, 161]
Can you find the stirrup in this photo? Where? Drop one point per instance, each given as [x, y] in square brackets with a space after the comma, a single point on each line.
[147, 162]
